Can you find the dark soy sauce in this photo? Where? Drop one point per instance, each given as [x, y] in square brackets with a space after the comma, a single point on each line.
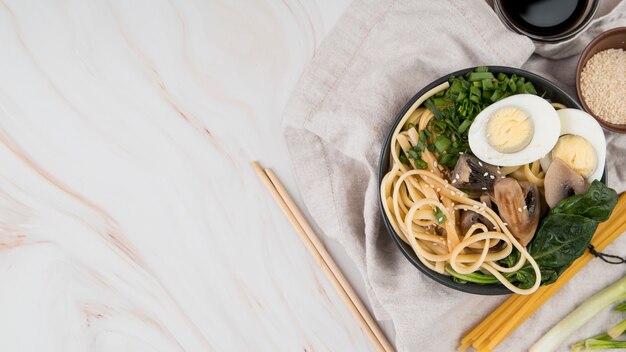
[544, 17]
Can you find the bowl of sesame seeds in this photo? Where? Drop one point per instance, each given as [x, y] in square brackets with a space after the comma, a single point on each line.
[601, 79]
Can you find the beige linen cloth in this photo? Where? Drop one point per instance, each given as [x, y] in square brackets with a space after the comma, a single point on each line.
[379, 55]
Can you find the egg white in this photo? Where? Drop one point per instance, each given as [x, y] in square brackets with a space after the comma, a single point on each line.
[580, 123]
[546, 129]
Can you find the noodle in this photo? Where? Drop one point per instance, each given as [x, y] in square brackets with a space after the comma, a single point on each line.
[528, 172]
[558, 106]
[411, 196]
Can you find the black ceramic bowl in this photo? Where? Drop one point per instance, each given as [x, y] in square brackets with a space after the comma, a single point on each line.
[552, 92]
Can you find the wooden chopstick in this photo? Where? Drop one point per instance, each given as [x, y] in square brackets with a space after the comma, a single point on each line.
[323, 258]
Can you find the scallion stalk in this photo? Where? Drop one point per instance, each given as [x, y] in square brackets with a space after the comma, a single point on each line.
[617, 330]
[580, 345]
[579, 316]
[620, 307]
[593, 344]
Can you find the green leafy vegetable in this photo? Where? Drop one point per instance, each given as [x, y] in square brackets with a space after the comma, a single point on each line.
[596, 204]
[561, 239]
[565, 233]
[476, 277]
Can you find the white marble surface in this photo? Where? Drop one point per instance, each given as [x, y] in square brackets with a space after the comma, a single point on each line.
[130, 219]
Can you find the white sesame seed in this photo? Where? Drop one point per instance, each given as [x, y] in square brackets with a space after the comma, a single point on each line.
[479, 163]
[457, 176]
[492, 177]
[486, 174]
[438, 189]
[446, 185]
[502, 177]
[600, 82]
[499, 173]
[525, 206]
[484, 188]
[519, 209]
[435, 163]
[460, 153]
[505, 224]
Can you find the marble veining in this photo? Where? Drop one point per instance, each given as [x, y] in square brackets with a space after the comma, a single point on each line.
[130, 219]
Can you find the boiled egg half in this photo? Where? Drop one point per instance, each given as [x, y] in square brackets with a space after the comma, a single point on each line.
[514, 131]
[581, 144]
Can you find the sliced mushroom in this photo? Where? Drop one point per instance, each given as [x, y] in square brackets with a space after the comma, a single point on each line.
[473, 175]
[469, 218]
[519, 206]
[561, 182]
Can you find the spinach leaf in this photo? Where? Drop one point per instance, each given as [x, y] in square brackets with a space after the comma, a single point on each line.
[565, 233]
[561, 239]
[596, 204]
[476, 277]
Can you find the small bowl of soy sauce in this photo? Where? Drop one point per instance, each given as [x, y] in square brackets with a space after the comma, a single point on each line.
[547, 21]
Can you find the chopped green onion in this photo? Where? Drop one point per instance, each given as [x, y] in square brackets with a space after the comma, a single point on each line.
[495, 96]
[431, 106]
[530, 88]
[439, 215]
[409, 126]
[413, 153]
[420, 164]
[464, 125]
[421, 142]
[487, 84]
[442, 143]
[448, 160]
[478, 76]
[403, 158]
[481, 69]
[502, 77]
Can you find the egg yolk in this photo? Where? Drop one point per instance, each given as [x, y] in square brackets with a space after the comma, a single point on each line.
[509, 129]
[577, 153]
